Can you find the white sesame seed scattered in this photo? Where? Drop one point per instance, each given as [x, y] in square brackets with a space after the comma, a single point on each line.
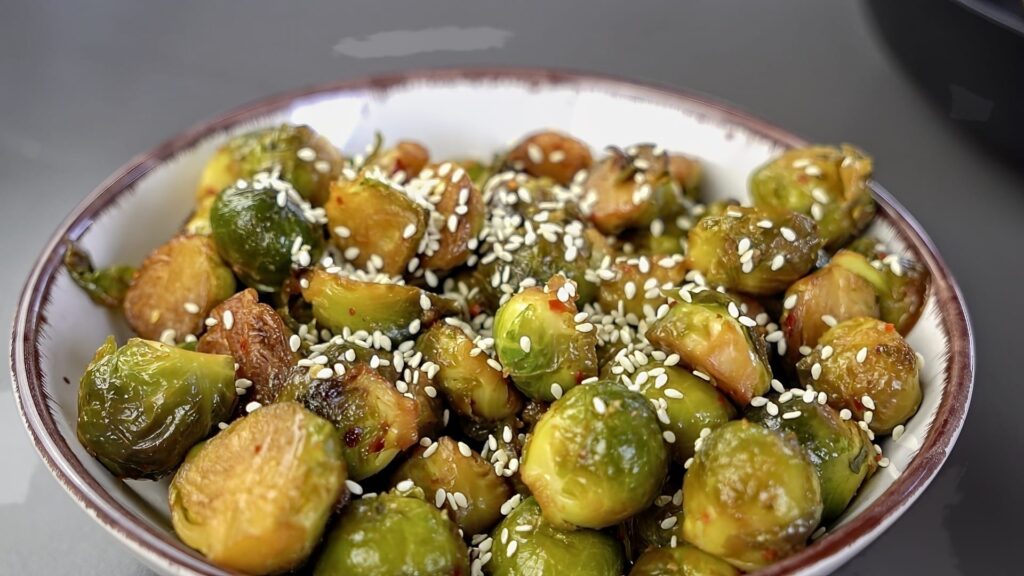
[306, 154]
[524, 343]
[671, 360]
[788, 234]
[672, 392]
[669, 436]
[465, 450]
[405, 485]
[791, 415]
[862, 355]
[701, 375]
[786, 396]
[845, 414]
[897, 432]
[748, 321]
[439, 497]
[790, 301]
[294, 342]
[758, 401]
[816, 371]
[556, 391]
[430, 391]
[829, 320]
[460, 500]
[191, 307]
[210, 322]
[868, 416]
[883, 462]
[826, 352]
[778, 262]
[430, 450]
[777, 386]
[222, 425]
[733, 310]
[584, 327]
[805, 350]
[743, 246]
[766, 224]
[822, 398]
[808, 395]
[668, 523]
[252, 406]
[229, 319]
[535, 153]
[511, 548]
[325, 374]
[867, 402]
[688, 463]
[599, 405]
[818, 533]
[353, 487]
[772, 409]
[629, 290]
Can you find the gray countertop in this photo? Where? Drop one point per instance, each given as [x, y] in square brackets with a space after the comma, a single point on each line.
[85, 86]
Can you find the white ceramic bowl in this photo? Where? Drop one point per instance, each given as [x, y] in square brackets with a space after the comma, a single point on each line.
[454, 112]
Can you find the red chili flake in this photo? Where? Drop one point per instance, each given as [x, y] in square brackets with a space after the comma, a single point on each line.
[557, 305]
[352, 436]
[351, 311]
[580, 377]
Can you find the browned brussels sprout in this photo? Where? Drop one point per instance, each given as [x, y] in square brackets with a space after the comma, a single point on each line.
[542, 548]
[106, 286]
[901, 284]
[824, 182]
[751, 496]
[630, 191]
[177, 286]
[393, 535]
[257, 496]
[402, 161]
[301, 156]
[634, 285]
[141, 407]
[752, 250]
[821, 299]
[256, 337]
[459, 480]
[375, 422]
[709, 333]
[460, 206]
[596, 457]
[865, 366]
[551, 154]
[683, 560]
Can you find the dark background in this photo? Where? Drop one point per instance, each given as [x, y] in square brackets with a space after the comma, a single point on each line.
[85, 86]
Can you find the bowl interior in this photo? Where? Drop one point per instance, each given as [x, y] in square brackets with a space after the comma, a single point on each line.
[454, 117]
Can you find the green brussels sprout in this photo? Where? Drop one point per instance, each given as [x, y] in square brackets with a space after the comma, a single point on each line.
[683, 560]
[392, 535]
[256, 497]
[396, 310]
[375, 422]
[753, 250]
[141, 407]
[708, 332]
[751, 496]
[545, 549]
[474, 388]
[550, 154]
[824, 182]
[690, 404]
[540, 344]
[465, 485]
[865, 366]
[460, 207]
[596, 457]
[298, 153]
[840, 451]
[105, 286]
[634, 285]
[901, 284]
[261, 229]
[630, 190]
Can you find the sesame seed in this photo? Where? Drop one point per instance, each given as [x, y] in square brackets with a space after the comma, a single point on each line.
[222, 425]
[816, 371]
[252, 406]
[808, 395]
[430, 391]
[701, 375]
[524, 343]
[354, 487]
[897, 432]
[756, 401]
[777, 386]
[584, 327]
[430, 450]
[405, 485]
[439, 497]
[294, 342]
[845, 414]
[325, 374]
[766, 224]
[883, 462]
[868, 416]
[772, 409]
[672, 392]
[629, 290]
[229, 319]
[826, 352]
[743, 246]
[785, 396]
[511, 548]
[733, 310]
[788, 234]
[342, 231]
[668, 523]
[829, 320]
[210, 322]
[465, 450]
[191, 307]
[862, 355]
[805, 350]
[822, 398]
[671, 360]
[748, 321]
[669, 436]
[791, 415]
[460, 500]
[790, 301]
[306, 154]
[820, 195]
[867, 402]
[599, 405]
[556, 391]
[778, 261]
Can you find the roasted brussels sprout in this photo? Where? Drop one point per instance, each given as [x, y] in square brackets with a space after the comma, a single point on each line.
[545, 549]
[541, 345]
[751, 496]
[824, 182]
[552, 155]
[141, 407]
[634, 285]
[177, 286]
[390, 238]
[596, 457]
[684, 560]
[830, 295]
[840, 451]
[459, 206]
[865, 366]
[262, 229]
[709, 333]
[256, 337]
[106, 286]
[375, 422]
[392, 535]
[301, 156]
[396, 310]
[473, 387]
[752, 250]
[402, 161]
[461, 482]
[256, 497]
[629, 191]
[901, 284]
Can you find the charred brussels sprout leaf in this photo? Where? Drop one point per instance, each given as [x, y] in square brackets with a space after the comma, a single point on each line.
[261, 238]
[142, 406]
[751, 496]
[256, 497]
[901, 284]
[634, 285]
[391, 535]
[830, 294]
[707, 334]
[106, 286]
[752, 250]
[539, 344]
[684, 560]
[824, 182]
[868, 358]
[596, 457]
[546, 549]
[630, 191]
[552, 155]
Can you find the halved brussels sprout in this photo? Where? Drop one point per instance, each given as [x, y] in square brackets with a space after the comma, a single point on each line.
[466, 486]
[406, 158]
[256, 337]
[396, 310]
[256, 497]
[393, 535]
[261, 230]
[839, 450]
[868, 368]
[635, 285]
[303, 158]
[540, 344]
[824, 182]
[552, 155]
[474, 388]
[751, 496]
[707, 333]
[753, 250]
[176, 287]
[460, 207]
[375, 422]
[901, 284]
[631, 190]
[545, 549]
[596, 457]
[106, 286]
[141, 407]
[684, 560]
[827, 296]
